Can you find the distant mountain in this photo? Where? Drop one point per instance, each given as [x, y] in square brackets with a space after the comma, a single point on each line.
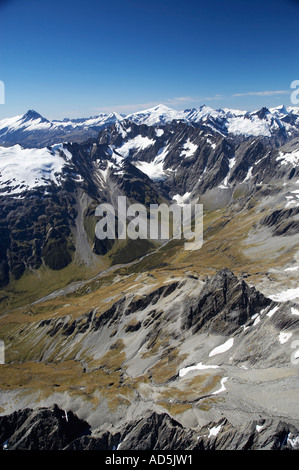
[32, 130]
[157, 115]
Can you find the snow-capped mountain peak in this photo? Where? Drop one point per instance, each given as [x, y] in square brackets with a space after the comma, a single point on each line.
[160, 108]
[32, 115]
[159, 114]
[279, 110]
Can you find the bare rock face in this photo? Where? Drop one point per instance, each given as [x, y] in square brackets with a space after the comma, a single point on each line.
[225, 303]
[263, 435]
[156, 432]
[160, 432]
[283, 222]
[41, 429]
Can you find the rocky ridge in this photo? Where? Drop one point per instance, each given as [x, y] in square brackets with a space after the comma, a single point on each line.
[52, 428]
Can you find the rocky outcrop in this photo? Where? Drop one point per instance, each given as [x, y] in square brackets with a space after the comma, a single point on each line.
[34, 231]
[256, 435]
[283, 222]
[41, 429]
[224, 304]
[156, 432]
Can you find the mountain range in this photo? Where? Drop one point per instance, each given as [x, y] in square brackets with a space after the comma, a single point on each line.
[131, 337]
[33, 130]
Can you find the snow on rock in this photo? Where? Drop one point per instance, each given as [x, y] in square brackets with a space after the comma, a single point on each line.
[180, 200]
[23, 169]
[153, 170]
[233, 121]
[289, 158]
[293, 441]
[294, 311]
[137, 142]
[160, 114]
[201, 113]
[272, 311]
[189, 149]
[30, 121]
[104, 173]
[241, 125]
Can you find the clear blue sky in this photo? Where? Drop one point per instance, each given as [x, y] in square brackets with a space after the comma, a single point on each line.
[69, 58]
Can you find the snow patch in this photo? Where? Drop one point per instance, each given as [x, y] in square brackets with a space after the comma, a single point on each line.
[180, 200]
[154, 170]
[231, 164]
[284, 337]
[294, 268]
[286, 295]
[249, 174]
[222, 388]
[222, 348]
[272, 311]
[214, 430]
[257, 320]
[288, 158]
[199, 366]
[137, 143]
[212, 144]
[189, 149]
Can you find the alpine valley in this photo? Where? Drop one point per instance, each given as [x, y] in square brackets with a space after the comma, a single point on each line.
[141, 344]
